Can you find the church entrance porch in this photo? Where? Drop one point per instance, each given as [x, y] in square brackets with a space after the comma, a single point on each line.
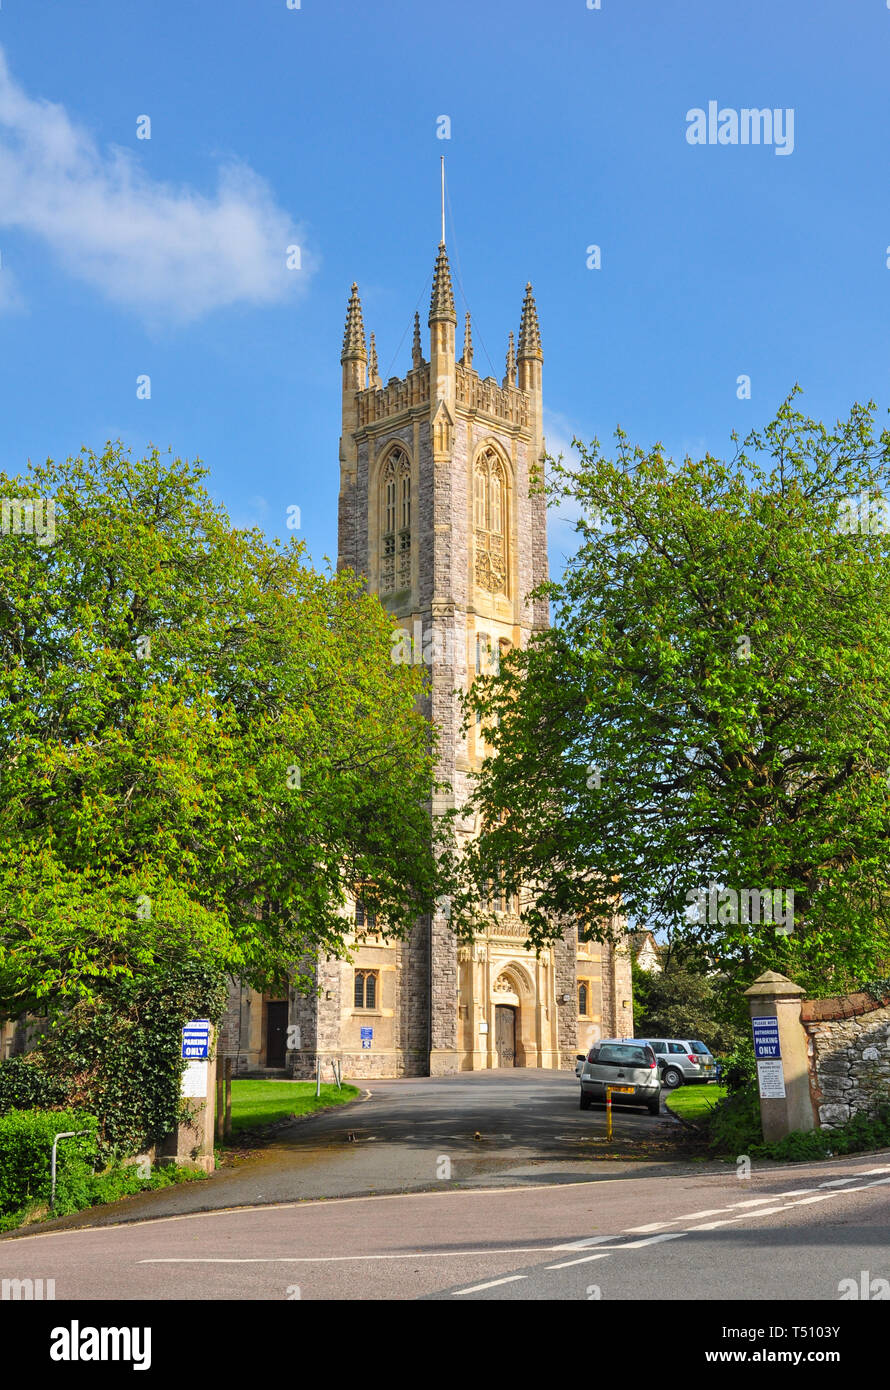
[505, 1034]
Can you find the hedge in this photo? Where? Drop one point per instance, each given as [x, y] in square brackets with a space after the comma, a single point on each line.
[25, 1084]
[26, 1140]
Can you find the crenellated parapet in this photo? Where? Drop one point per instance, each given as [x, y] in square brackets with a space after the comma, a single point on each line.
[398, 395]
[485, 397]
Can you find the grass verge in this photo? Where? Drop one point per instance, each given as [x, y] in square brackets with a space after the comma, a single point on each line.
[694, 1102]
[102, 1188]
[258, 1103]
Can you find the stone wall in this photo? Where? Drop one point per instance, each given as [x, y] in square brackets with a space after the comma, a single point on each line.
[849, 1055]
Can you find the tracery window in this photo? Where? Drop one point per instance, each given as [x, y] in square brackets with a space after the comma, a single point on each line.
[365, 993]
[395, 541]
[490, 522]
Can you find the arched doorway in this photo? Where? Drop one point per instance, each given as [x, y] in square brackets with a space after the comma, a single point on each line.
[505, 1034]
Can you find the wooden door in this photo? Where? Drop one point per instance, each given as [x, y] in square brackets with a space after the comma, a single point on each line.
[505, 1034]
[276, 1032]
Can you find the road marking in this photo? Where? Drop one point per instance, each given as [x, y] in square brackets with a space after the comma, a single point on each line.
[694, 1216]
[477, 1288]
[585, 1244]
[428, 1194]
[789, 1206]
[584, 1260]
[339, 1259]
[651, 1240]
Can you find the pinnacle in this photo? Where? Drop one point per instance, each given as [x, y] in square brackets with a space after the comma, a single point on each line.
[510, 376]
[354, 335]
[467, 359]
[417, 349]
[529, 329]
[373, 374]
[442, 297]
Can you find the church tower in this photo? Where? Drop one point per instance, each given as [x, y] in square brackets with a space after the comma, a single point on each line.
[435, 513]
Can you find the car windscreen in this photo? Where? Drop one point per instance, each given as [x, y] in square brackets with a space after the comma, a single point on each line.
[629, 1056]
[700, 1047]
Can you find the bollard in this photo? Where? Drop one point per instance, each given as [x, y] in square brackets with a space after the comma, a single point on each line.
[63, 1134]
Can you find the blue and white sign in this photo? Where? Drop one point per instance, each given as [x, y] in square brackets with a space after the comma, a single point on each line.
[196, 1040]
[767, 1050]
[367, 1036]
[766, 1037]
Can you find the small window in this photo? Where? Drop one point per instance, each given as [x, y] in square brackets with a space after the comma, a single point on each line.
[584, 999]
[677, 1048]
[364, 916]
[366, 989]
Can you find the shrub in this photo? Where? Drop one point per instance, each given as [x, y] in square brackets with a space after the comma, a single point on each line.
[26, 1085]
[734, 1123]
[26, 1140]
[121, 1054]
[734, 1128]
[739, 1068]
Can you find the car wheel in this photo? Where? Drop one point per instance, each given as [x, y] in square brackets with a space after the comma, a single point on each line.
[655, 1107]
[585, 1101]
[672, 1078]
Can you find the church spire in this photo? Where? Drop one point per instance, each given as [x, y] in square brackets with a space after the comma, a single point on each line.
[354, 334]
[416, 349]
[529, 331]
[510, 376]
[467, 359]
[442, 297]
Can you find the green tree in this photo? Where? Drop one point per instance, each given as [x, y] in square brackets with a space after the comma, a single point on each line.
[711, 706]
[683, 1001]
[204, 743]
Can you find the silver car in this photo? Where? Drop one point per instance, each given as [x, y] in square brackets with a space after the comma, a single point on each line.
[630, 1070]
[681, 1060]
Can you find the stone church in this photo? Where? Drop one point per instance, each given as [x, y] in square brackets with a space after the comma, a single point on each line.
[435, 512]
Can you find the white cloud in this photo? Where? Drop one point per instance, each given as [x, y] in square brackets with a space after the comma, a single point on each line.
[168, 253]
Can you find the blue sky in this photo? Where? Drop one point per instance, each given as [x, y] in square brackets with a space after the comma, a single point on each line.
[317, 126]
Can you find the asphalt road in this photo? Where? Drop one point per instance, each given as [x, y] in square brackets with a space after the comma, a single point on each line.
[412, 1135]
[776, 1235]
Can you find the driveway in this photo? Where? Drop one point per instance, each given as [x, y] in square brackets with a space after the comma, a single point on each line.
[476, 1129]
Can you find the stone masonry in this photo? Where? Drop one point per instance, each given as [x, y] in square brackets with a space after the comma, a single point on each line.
[436, 513]
[849, 1055]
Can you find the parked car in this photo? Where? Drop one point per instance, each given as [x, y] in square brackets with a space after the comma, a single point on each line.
[628, 1067]
[681, 1060]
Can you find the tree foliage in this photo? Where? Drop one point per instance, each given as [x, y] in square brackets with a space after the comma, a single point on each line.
[204, 743]
[712, 704]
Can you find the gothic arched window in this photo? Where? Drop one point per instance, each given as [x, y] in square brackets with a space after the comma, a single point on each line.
[490, 522]
[395, 539]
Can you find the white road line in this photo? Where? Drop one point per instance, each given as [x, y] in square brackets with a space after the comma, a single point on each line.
[651, 1240]
[340, 1259]
[694, 1216]
[585, 1244]
[584, 1260]
[477, 1288]
[789, 1206]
